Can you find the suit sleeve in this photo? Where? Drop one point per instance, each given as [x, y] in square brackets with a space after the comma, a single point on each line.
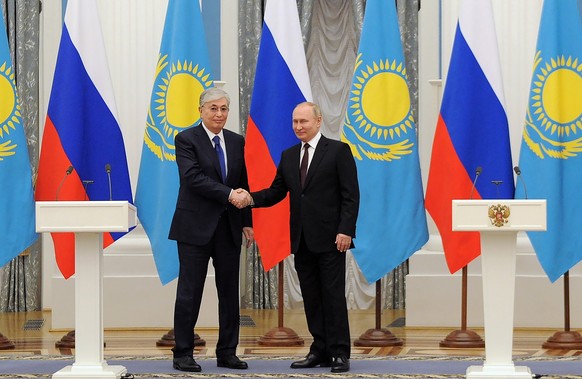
[276, 192]
[349, 190]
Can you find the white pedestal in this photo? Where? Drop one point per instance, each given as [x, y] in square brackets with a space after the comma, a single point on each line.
[131, 286]
[498, 221]
[91, 371]
[88, 220]
[496, 371]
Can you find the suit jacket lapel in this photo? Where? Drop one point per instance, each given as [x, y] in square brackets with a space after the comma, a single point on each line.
[207, 147]
[317, 158]
[231, 155]
[295, 163]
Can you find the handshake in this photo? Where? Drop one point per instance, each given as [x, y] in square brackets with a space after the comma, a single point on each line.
[240, 198]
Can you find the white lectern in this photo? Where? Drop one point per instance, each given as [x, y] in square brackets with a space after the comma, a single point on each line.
[498, 221]
[88, 220]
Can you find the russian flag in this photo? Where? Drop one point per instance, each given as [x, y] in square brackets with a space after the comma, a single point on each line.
[472, 131]
[81, 128]
[281, 82]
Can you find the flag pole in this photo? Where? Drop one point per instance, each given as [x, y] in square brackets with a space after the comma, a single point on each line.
[67, 341]
[5, 343]
[378, 336]
[280, 336]
[566, 339]
[169, 340]
[463, 337]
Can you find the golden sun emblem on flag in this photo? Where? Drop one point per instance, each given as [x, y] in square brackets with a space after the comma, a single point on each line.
[9, 110]
[174, 105]
[553, 125]
[379, 115]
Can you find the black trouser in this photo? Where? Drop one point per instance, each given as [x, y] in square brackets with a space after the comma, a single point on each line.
[322, 278]
[193, 268]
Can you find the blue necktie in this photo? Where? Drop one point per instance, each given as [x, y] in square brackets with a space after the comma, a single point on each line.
[220, 155]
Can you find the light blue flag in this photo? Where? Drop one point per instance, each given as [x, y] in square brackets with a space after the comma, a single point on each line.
[182, 74]
[550, 157]
[17, 229]
[381, 132]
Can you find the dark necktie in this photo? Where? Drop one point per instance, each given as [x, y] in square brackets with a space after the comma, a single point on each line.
[220, 155]
[304, 162]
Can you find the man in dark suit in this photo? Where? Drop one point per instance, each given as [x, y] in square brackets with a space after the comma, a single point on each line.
[320, 176]
[211, 165]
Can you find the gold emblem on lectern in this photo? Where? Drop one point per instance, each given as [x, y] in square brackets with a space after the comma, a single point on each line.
[499, 215]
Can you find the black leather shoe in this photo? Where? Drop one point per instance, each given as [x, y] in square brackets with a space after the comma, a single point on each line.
[186, 364]
[340, 364]
[232, 361]
[311, 360]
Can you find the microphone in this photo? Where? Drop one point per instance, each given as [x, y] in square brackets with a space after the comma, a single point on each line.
[497, 183]
[108, 171]
[478, 172]
[67, 173]
[518, 172]
[86, 187]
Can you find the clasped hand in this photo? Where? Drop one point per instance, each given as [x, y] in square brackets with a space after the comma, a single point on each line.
[240, 198]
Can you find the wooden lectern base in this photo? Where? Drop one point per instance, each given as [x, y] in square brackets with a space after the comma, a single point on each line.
[281, 336]
[378, 338]
[570, 340]
[463, 338]
[5, 343]
[169, 340]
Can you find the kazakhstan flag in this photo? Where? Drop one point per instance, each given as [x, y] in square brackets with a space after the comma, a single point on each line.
[550, 157]
[17, 230]
[381, 132]
[182, 74]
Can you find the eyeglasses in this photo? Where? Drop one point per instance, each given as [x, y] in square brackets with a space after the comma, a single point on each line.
[215, 109]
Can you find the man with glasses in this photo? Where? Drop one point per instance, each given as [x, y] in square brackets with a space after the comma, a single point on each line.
[212, 170]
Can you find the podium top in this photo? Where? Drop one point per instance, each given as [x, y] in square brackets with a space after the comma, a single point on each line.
[85, 216]
[499, 215]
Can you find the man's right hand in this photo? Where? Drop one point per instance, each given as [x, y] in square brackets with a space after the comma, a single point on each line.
[240, 198]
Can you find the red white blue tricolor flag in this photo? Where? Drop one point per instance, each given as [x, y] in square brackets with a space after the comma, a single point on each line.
[16, 200]
[81, 128]
[281, 82]
[550, 158]
[381, 132]
[472, 131]
[182, 74]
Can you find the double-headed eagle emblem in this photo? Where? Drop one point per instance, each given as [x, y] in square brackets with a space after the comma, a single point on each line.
[499, 214]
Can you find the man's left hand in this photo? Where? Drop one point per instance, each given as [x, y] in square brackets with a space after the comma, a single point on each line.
[343, 242]
[249, 234]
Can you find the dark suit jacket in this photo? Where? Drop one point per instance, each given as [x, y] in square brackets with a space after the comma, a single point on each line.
[203, 197]
[328, 204]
